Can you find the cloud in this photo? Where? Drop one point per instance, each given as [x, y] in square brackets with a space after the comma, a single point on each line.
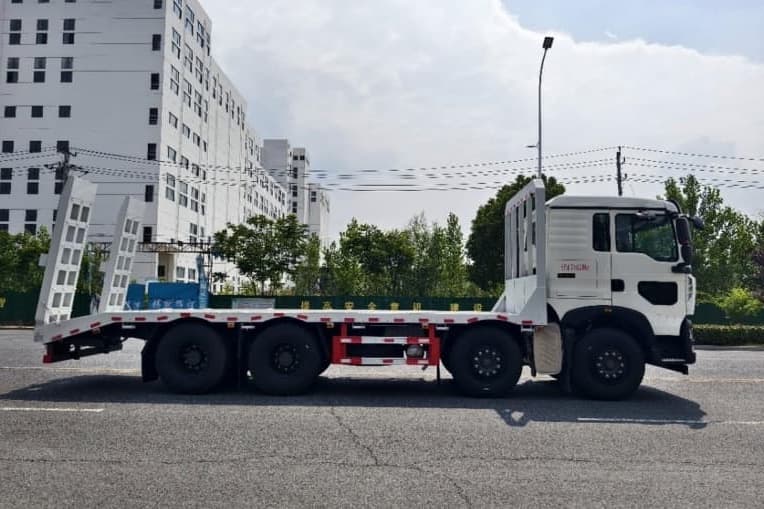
[397, 83]
[610, 35]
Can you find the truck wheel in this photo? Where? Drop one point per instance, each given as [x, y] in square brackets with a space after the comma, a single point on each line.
[284, 360]
[607, 364]
[485, 362]
[191, 359]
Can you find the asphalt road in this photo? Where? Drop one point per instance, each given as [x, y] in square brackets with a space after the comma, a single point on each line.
[90, 433]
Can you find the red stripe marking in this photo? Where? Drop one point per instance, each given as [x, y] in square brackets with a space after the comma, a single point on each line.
[423, 320]
[231, 318]
[411, 340]
[256, 318]
[387, 361]
[413, 361]
[448, 320]
[57, 337]
[278, 315]
[472, 320]
[185, 315]
[162, 318]
[47, 358]
[302, 317]
[74, 331]
[209, 316]
[373, 319]
[527, 322]
[355, 340]
[389, 340]
[95, 324]
[326, 319]
[502, 317]
[349, 320]
[116, 318]
[140, 319]
[399, 320]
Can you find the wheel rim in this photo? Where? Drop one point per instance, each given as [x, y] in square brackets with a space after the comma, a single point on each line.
[487, 361]
[285, 358]
[609, 364]
[193, 358]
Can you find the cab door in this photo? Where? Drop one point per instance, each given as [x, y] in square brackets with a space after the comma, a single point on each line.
[642, 278]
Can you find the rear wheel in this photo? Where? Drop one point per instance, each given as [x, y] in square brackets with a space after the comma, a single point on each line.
[284, 360]
[485, 362]
[607, 364]
[191, 358]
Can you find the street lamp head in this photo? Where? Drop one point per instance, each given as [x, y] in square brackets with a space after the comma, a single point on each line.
[548, 42]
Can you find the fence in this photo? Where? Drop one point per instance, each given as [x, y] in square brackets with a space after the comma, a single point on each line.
[18, 308]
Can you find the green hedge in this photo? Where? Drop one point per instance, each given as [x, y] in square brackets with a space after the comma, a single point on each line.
[729, 335]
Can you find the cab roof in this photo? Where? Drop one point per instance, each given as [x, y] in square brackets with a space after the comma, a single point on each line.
[610, 202]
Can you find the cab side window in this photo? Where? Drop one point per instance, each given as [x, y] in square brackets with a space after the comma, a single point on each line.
[653, 236]
[601, 232]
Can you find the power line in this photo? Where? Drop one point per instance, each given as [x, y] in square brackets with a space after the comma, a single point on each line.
[693, 154]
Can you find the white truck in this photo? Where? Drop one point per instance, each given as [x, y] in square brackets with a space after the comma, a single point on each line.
[596, 287]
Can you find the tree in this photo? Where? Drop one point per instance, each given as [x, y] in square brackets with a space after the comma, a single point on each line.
[308, 272]
[758, 262]
[19, 260]
[724, 249]
[485, 245]
[265, 250]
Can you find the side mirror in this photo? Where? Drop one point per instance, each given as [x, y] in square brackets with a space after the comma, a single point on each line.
[683, 231]
[698, 222]
[687, 254]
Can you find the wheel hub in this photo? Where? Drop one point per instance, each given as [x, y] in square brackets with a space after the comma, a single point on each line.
[194, 358]
[486, 361]
[609, 364]
[285, 359]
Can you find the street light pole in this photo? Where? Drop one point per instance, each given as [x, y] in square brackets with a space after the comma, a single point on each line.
[547, 44]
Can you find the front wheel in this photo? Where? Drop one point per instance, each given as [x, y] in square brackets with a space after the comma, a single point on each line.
[485, 362]
[607, 364]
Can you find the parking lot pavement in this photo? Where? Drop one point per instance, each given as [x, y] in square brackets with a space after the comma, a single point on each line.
[89, 433]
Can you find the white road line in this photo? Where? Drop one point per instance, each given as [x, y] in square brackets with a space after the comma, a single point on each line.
[118, 371]
[52, 409]
[666, 421]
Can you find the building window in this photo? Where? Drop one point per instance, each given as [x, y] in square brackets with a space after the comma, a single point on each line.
[176, 8]
[176, 43]
[147, 234]
[62, 146]
[173, 120]
[157, 4]
[42, 25]
[67, 62]
[35, 146]
[12, 77]
[15, 25]
[154, 81]
[187, 92]
[40, 62]
[148, 193]
[186, 131]
[41, 38]
[174, 80]
[313, 196]
[171, 155]
[33, 173]
[58, 187]
[151, 152]
[64, 111]
[30, 228]
[153, 116]
[30, 215]
[69, 24]
[156, 42]
[68, 38]
[184, 162]
[14, 39]
[7, 146]
[36, 111]
[66, 76]
[38, 77]
[10, 112]
[197, 139]
[33, 188]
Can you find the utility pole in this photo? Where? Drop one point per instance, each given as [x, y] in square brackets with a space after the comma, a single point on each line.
[63, 167]
[619, 178]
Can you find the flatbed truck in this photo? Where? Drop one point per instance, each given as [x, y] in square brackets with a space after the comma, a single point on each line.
[595, 289]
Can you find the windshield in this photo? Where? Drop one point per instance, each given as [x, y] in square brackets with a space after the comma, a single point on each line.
[650, 235]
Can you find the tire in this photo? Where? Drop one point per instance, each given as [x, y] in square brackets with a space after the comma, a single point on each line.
[191, 359]
[608, 364]
[285, 360]
[485, 362]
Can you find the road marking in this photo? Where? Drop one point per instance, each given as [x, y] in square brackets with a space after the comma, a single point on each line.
[696, 380]
[116, 371]
[52, 409]
[665, 421]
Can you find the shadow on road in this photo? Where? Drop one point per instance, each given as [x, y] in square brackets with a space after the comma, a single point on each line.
[531, 401]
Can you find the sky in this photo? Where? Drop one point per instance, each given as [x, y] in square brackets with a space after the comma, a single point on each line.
[395, 84]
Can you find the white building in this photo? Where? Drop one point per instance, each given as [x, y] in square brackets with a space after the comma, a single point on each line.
[291, 168]
[131, 88]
